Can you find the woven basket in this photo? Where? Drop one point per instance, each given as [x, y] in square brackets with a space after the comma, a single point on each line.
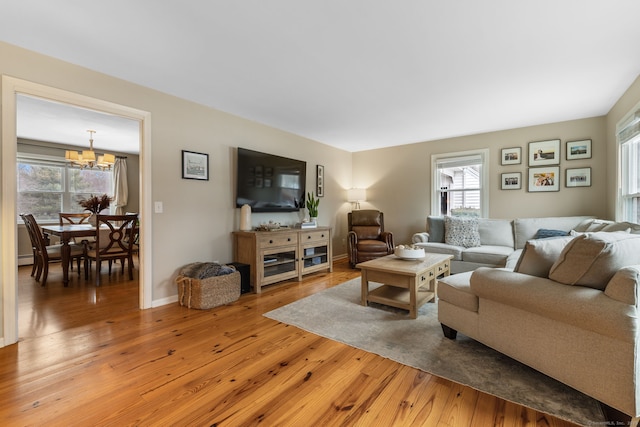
[210, 292]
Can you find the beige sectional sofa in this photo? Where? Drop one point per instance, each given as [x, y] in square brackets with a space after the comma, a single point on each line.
[569, 308]
[500, 239]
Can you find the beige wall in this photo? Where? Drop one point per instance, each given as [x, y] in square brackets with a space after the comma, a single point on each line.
[198, 215]
[398, 179]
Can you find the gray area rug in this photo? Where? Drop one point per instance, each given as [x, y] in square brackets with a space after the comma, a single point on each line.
[336, 314]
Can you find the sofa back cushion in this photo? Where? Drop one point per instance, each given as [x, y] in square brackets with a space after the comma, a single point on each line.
[593, 258]
[496, 232]
[539, 255]
[526, 228]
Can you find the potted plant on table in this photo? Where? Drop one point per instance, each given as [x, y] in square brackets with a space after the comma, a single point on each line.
[95, 205]
[312, 206]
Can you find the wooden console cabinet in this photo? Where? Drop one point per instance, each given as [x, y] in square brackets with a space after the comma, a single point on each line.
[283, 254]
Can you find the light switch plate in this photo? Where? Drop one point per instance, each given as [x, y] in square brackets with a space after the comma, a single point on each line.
[157, 207]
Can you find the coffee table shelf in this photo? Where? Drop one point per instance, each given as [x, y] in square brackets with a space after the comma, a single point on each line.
[398, 297]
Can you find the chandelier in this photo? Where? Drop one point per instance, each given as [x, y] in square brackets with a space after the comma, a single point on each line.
[87, 158]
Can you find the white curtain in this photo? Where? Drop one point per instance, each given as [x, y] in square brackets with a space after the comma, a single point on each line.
[120, 185]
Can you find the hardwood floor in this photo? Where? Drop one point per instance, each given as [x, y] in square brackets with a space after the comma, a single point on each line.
[87, 356]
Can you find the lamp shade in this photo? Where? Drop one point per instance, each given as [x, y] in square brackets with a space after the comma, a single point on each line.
[356, 195]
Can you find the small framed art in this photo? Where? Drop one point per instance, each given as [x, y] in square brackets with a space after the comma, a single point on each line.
[579, 177]
[544, 179]
[511, 156]
[511, 181]
[320, 181]
[542, 153]
[579, 149]
[195, 165]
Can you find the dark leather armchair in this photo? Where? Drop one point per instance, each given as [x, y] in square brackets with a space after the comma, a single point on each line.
[367, 239]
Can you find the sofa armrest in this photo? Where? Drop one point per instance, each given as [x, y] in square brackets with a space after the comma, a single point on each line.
[420, 237]
[623, 286]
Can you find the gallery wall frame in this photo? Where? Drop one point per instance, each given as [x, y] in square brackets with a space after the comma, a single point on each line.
[320, 181]
[578, 177]
[544, 179]
[511, 156]
[195, 165]
[543, 153]
[511, 181]
[578, 149]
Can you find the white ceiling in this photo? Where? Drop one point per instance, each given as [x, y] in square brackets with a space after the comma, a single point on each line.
[355, 74]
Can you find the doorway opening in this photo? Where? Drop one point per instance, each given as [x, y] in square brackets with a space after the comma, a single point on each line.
[12, 89]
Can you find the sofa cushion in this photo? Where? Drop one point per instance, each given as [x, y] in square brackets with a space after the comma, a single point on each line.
[442, 248]
[538, 255]
[455, 290]
[623, 286]
[583, 307]
[496, 232]
[435, 227]
[526, 228]
[461, 231]
[593, 258]
[592, 224]
[628, 227]
[485, 254]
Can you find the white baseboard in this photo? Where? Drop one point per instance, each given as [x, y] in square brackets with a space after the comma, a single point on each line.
[25, 260]
[164, 301]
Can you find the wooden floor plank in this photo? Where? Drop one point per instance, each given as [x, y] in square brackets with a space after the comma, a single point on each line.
[84, 347]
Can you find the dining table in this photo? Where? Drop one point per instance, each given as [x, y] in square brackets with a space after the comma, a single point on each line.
[66, 233]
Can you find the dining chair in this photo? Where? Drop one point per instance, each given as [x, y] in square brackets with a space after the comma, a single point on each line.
[76, 218]
[115, 236]
[43, 253]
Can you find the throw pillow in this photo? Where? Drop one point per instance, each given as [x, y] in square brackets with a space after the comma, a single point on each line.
[545, 233]
[461, 231]
[435, 227]
[592, 259]
[539, 255]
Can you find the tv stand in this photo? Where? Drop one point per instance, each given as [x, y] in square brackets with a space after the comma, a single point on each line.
[283, 254]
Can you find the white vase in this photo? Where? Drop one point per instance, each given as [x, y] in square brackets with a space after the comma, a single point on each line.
[93, 219]
[245, 218]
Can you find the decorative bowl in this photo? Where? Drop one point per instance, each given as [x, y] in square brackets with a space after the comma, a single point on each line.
[408, 252]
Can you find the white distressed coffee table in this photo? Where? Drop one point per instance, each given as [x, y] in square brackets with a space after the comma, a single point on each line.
[407, 284]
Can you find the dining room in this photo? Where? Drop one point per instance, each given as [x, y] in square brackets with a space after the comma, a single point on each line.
[46, 134]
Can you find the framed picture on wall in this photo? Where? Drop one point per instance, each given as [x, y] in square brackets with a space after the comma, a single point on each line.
[542, 153]
[544, 179]
[511, 156]
[320, 181]
[511, 181]
[195, 165]
[579, 177]
[579, 149]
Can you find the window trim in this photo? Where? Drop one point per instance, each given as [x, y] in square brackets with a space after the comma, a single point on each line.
[625, 121]
[483, 153]
[45, 159]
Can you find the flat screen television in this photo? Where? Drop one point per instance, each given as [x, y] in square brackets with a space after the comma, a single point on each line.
[270, 183]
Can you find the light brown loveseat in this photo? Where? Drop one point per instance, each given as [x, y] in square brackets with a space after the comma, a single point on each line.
[569, 309]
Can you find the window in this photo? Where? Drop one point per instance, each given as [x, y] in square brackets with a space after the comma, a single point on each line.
[628, 134]
[47, 187]
[460, 183]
